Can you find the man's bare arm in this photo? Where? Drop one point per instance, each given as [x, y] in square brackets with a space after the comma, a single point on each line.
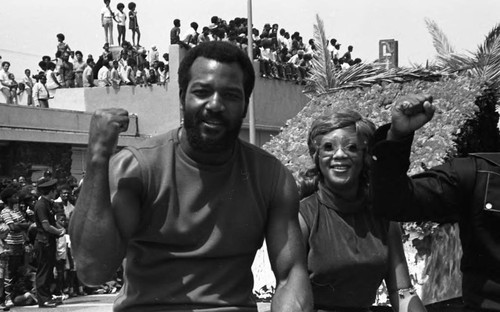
[98, 242]
[286, 250]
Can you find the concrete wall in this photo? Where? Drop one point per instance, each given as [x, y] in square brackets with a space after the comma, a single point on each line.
[276, 101]
[156, 112]
[33, 124]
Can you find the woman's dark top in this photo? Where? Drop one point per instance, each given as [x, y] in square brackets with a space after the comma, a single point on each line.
[347, 250]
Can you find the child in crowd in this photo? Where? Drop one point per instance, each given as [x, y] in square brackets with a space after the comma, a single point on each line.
[154, 55]
[61, 45]
[21, 88]
[78, 67]
[152, 76]
[147, 73]
[61, 254]
[52, 79]
[133, 24]
[116, 79]
[121, 20]
[139, 75]
[13, 86]
[88, 76]
[4, 230]
[106, 53]
[24, 288]
[162, 73]
[129, 74]
[28, 86]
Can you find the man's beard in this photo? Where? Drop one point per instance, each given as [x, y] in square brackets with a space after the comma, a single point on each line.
[192, 124]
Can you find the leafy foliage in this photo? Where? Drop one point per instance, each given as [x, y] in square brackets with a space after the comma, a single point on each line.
[322, 76]
[481, 133]
[441, 42]
[365, 75]
[483, 64]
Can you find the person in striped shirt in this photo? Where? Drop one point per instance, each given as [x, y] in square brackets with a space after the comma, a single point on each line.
[15, 239]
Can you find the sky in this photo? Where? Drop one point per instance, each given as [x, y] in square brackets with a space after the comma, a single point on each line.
[29, 27]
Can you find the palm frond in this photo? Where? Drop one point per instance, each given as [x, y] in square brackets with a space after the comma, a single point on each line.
[322, 75]
[491, 40]
[367, 75]
[486, 60]
[455, 62]
[441, 43]
[484, 63]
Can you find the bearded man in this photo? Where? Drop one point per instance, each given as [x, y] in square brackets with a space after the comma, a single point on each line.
[189, 209]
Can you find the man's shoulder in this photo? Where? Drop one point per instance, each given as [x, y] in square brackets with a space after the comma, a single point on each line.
[42, 203]
[491, 158]
[157, 141]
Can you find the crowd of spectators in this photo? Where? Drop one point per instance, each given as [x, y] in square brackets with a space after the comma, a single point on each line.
[23, 250]
[280, 55]
[132, 65]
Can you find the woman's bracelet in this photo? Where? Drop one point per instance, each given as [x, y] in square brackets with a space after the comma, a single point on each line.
[404, 291]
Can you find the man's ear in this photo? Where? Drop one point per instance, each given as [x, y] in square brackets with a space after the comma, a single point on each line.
[182, 99]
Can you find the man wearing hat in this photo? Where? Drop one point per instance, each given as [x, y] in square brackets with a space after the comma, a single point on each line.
[45, 241]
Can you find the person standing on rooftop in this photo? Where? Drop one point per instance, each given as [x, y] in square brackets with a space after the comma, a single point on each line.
[107, 21]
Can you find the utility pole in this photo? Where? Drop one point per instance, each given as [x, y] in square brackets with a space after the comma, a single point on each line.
[251, 113]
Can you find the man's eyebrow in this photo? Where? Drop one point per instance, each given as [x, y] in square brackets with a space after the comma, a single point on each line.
[200, 83]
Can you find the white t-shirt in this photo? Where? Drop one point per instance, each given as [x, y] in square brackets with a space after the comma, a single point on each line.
[122, 18]
[106, 12]
[103, 77]
[4, 76]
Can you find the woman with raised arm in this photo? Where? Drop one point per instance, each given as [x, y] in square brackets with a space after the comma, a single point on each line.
[349, 250]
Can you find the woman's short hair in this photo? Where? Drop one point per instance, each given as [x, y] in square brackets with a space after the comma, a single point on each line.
[327, 123]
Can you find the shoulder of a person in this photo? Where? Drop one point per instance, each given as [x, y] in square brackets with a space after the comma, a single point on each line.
[5, 210]
[168, 137]
[493, 159]
[308, 205]
[41, 203]
[308, 200]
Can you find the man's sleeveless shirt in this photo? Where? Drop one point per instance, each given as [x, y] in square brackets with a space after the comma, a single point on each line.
[200, 227]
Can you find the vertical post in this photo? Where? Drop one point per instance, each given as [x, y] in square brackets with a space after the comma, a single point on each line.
[251, 114]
